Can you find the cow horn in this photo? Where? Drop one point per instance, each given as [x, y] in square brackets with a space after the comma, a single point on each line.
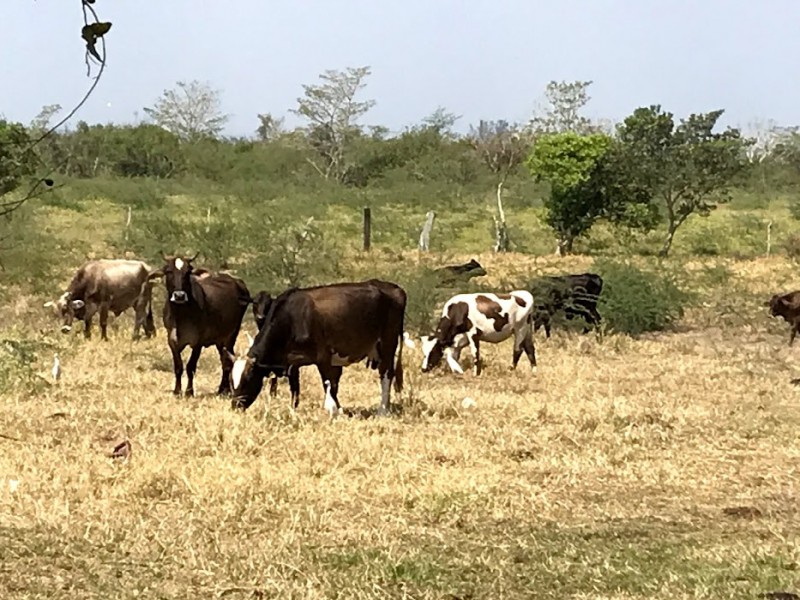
[195, 256]
[164, 256]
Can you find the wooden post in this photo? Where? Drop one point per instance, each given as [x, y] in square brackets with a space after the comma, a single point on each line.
[367, 227]
[769, 237]
[425, 236]
[127, 224]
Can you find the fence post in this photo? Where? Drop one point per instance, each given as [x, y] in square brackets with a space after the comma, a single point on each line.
[367, 227]
[425, 236]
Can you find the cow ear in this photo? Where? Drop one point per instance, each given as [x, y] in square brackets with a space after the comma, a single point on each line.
[155, 275]
[198, 293]
[78, 304]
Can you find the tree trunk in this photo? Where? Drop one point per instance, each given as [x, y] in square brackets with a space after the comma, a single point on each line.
[564, 245]
[501, 242]
[668, 241]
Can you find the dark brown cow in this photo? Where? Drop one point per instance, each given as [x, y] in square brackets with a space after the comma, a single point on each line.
[107, 285]
[329, 326]
[201, 311]
[461, 273]
[261, 304]
[788, 307]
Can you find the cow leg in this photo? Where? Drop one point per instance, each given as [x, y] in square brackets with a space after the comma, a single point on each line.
[191, 367]
[227, 366]
[104, 322]
[177, 367]
[87, 328]
[524, 342]
[793, 334]
[293, 374]
[475, 348]
[273, 386]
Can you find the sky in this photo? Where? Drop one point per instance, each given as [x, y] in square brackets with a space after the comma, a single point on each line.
[480, 59]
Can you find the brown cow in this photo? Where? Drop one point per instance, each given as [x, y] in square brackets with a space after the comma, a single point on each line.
[328, 326]
[201, 311]
[788, 307]
[105, 286]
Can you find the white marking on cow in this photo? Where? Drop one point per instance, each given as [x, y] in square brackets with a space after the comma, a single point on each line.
[179, 263]
[385, 387]
[330, 403]
[452, 362]
[483, 327]
[78, 304]
[428, 344]
[237, 372]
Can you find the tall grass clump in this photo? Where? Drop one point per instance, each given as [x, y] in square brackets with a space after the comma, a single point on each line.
[636, 301]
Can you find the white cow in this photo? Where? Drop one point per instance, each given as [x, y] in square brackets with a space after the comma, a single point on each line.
[468, 319]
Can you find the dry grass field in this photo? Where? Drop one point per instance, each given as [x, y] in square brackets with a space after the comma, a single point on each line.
[664, 466]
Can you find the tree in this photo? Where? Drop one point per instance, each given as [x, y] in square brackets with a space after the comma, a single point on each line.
[565, 100]
[686, 168]
[570, 162]
[332, 113]
[269, 128]
[441, 122]
[191, 110]
[502, 148]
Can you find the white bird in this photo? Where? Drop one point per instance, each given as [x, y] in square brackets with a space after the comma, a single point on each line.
[56, 371]
[468, 403]
[330, 403]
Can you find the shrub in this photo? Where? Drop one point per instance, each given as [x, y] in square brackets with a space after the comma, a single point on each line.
[792, 246]
[636, 301]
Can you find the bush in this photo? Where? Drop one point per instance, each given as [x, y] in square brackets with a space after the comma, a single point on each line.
[792, 246]
[636, 301]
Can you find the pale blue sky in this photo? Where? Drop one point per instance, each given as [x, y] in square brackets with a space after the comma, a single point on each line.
[485, 59]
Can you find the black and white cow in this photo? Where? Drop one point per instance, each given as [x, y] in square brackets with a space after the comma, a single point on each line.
[469, 319]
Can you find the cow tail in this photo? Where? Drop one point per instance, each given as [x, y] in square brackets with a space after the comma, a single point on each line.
[147, 291]
[398, 367]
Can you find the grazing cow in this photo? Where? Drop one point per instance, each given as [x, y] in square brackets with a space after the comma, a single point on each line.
[330, 326]
[461, 273]
[105, 286]
[788, 307]
[468, 319]
[201, 311]
[576, 295]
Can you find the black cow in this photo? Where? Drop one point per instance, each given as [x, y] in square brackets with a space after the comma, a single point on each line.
[576, 295]
[328, 326]
[460, 273]
[788, 307]
[201, 311]
[261, 304]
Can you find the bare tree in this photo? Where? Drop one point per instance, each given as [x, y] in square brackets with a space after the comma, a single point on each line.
[191, 111]
[564, 101]
[332, 113]
[502, 148]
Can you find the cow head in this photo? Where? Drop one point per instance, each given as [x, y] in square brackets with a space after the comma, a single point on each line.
[432, 352]
[474, 268]
[779, 306]
[177, 273]
[68, 309]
